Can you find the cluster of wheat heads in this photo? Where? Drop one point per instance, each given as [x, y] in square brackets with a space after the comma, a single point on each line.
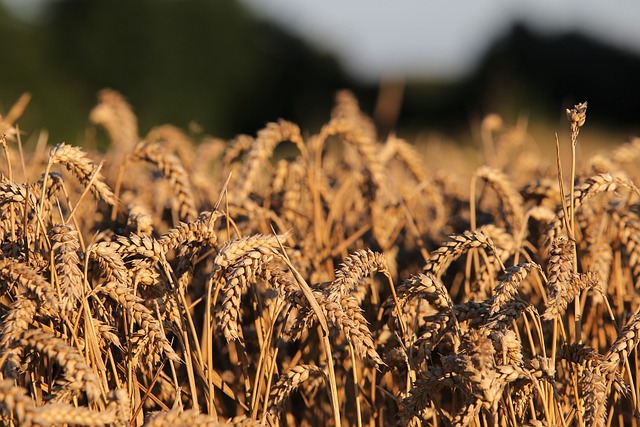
[169, 282]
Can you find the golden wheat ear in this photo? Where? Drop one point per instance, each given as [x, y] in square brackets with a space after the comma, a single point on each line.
[76, 161]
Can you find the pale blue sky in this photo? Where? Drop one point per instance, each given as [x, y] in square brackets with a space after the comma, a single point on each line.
[442, 38]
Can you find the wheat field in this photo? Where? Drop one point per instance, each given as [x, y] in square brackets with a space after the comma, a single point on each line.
[176, 280]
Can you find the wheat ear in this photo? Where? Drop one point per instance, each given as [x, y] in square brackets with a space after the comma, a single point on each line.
[77, 162]
[79, 375]
[66, 247]
[288, 383]
[170, 166]
[511, 200]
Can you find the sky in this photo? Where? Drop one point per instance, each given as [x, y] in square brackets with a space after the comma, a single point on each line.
[442, 38]
[376, 39]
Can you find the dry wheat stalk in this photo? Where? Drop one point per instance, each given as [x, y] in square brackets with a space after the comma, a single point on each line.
[505, 246]
[343, 313]
[290, 194]
[120, 405]
[142, 246]
[472, 311]
[475, 362]
[230, 252]
[238, 263]
[437, 326]
[457, 352]
[505, 316]
[106, 333]
[348, 280]
[423, 393]
[594, 389]
[139, 220]
[236, 148]
[359, 337]
[348, 108]
[521, 399]
[598, 258]
[10, 192]
[560, 269]
[508, 348]
[470, 410]
[407, 154]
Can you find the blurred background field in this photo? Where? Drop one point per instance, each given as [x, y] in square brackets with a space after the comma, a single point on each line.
[428, 72]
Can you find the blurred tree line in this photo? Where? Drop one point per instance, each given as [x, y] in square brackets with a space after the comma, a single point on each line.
[177, 61]
[215, 64]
